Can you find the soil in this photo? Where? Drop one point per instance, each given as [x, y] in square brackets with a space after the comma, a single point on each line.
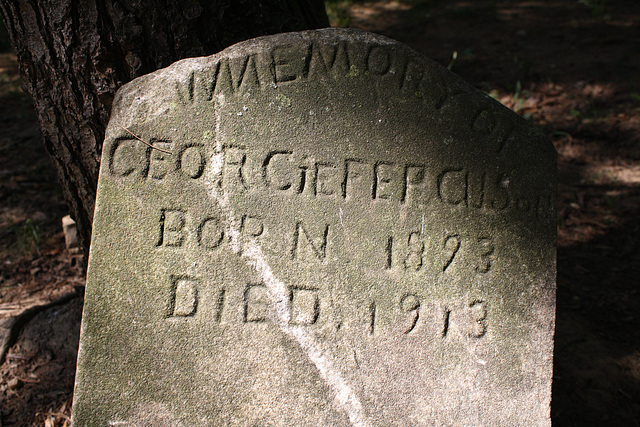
[570, 66]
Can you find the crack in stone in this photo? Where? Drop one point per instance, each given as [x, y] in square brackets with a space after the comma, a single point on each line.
[324, 362]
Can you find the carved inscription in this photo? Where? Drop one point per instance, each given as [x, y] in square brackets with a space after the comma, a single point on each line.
[415, 251]
[448, 175]
[310, 242]
[220, 301]
[298, 63]
[372, 318]
[159, 163]
[209, 233]
[304, 245]
[312, 61]
[410, 304]
[287, 173]
[256, 303]
[232, 174]
[128, 157]
[171, 227]
[451, 247]
[411, 315]
[305, 305]
[423, 252]
[252, 225]
[419, 317]
[177, 228]
[183, 296]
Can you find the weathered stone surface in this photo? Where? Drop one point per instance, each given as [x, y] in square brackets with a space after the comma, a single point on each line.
[341, 232]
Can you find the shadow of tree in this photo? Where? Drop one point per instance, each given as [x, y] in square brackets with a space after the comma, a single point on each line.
[29, 189]
[597, 350]
[502, 42]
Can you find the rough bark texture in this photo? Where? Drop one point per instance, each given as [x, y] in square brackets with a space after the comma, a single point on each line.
[73, 56]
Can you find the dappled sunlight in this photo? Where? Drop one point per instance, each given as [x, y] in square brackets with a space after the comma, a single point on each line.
[384, 13]
[571, 68]
[614, 175]
[630, 363]
[9, 77]
[35, 267]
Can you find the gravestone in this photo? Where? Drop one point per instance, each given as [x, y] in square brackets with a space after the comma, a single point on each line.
[318, 228]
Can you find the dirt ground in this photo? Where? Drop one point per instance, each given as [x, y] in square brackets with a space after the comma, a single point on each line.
[570, 66]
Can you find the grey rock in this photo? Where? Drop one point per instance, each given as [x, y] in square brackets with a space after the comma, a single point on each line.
[337, 231]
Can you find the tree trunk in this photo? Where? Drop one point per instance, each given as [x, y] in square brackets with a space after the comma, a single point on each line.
[74, 55]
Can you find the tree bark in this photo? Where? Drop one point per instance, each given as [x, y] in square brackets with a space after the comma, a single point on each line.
[74, 54]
